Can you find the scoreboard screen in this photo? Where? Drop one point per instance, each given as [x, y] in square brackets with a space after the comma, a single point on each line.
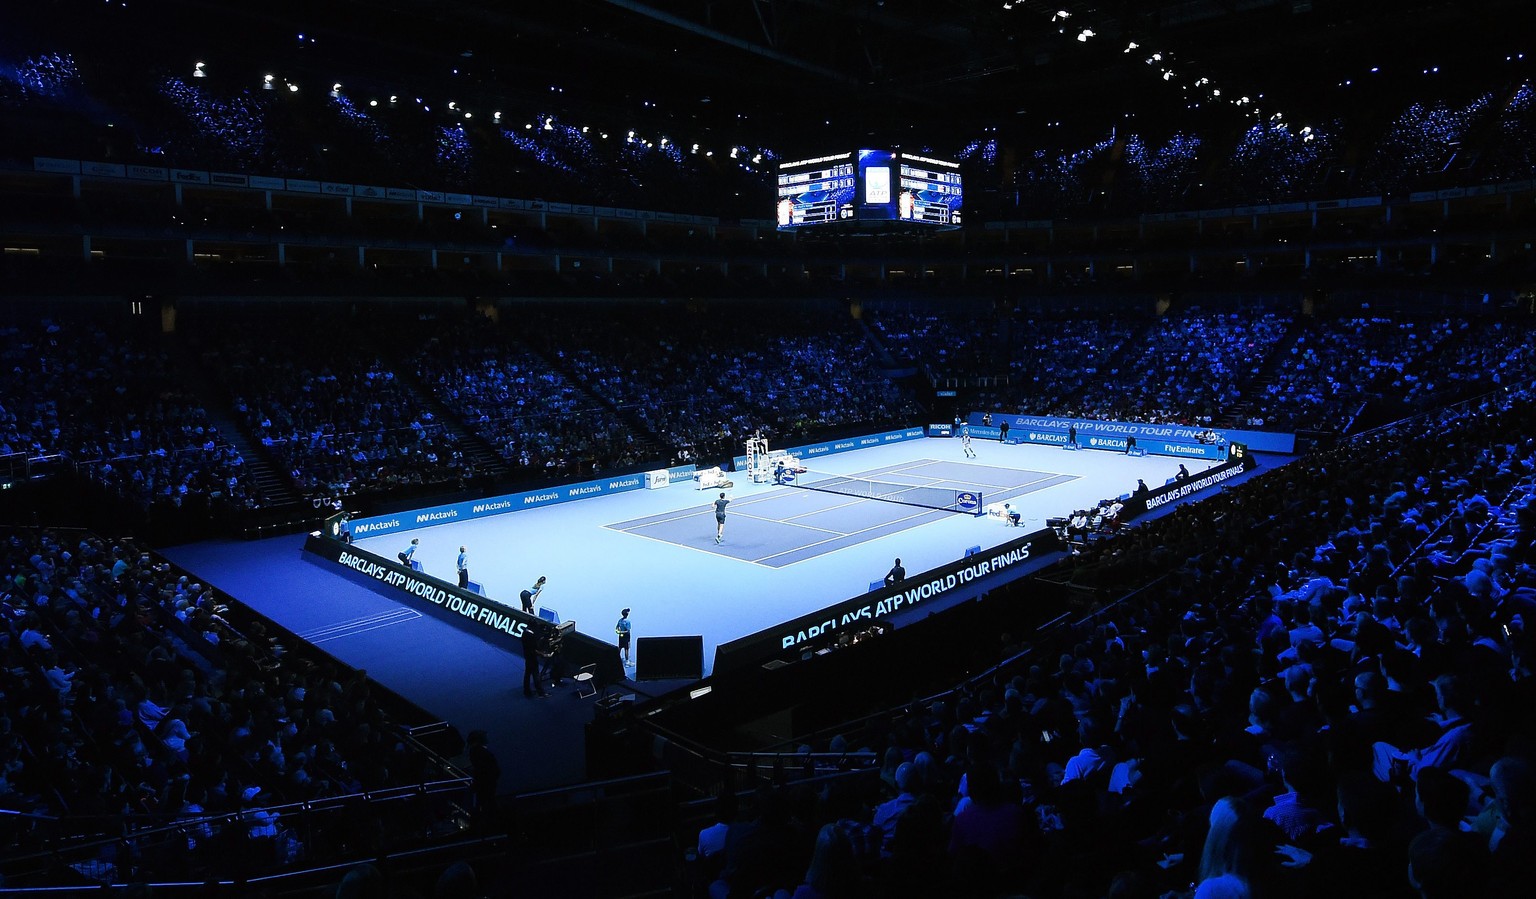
[816, 191]
[930, 191]
[870, 186]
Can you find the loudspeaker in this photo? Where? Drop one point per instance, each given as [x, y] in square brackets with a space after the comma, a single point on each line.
[669, 658]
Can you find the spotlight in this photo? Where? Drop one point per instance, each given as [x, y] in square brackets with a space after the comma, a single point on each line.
[197, 71]
[1084, 35]
[373, 102]
[293, 88]
[266, 83]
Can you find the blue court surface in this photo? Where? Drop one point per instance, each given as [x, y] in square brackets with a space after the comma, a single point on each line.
[787, 551]
[791, 525]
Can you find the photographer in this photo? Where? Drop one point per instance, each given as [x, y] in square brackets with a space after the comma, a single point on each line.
[550, 646]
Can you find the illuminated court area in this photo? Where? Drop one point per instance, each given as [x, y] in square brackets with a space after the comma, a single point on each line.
[787, 551]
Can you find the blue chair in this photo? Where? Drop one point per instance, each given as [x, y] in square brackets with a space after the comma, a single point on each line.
[550, 615]
[972, 550]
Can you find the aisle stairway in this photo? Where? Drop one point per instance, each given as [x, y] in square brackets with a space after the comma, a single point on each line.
[478, 451]
[647, 444]
[272, 483]
[1251, 401]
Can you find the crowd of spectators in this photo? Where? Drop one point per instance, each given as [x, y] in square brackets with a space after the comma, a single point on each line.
[1329, 371]
[131, 690]
[749, 368]
[1186, 368]
[1316, 684]
[945, 343]
[537, 418]
[568, 391]
[810, 372]
[632, 357]
[335, 414]
[115, 407]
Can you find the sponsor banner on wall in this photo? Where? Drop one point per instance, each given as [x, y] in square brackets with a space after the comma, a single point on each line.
[458, 199]
[511, 502]
[841, 446]
[429, 196]
[265, 182]
[335, 189]
[189, 176]
[60, 166]
[486, 618]
[149, 173]
[789, 640]
[105, 169]
[370, 192]
[1052, 429]
[427, 590]
[400, 193]
[302, 186]
[228, 179]
[1178, 490]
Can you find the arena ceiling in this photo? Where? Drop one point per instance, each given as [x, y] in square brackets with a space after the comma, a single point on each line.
[800, 74]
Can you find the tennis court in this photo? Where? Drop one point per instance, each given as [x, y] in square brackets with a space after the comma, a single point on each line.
[790, 524]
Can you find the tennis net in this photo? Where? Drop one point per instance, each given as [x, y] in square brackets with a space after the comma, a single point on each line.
[949, 499]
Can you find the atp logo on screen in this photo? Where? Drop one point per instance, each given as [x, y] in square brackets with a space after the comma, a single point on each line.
[877, 184]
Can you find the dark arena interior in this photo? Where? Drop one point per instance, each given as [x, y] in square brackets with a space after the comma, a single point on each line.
[1179, 352]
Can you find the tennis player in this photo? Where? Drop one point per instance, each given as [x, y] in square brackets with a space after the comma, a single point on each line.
[720, 505]
[965, 441]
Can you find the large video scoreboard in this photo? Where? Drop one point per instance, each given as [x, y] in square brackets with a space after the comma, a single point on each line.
[816, 191]
[870, 187]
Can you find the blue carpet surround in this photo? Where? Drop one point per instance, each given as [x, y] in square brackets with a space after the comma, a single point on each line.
[653, 551]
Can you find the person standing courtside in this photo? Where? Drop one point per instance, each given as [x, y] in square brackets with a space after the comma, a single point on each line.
[720, 505]
[463, 565]
[622, 629]
[530, 595]
[1002, 431]
[896, 575]
[409, 553]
